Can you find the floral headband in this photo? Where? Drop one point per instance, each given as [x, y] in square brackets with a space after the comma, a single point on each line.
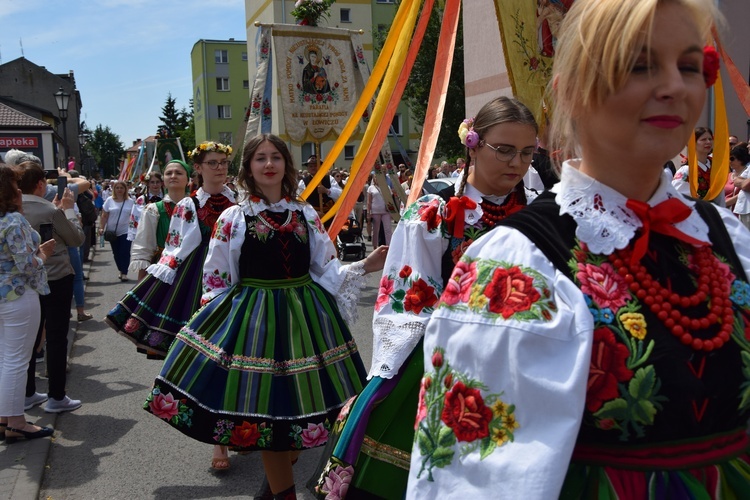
[210, 147]
[467, 134]
[711, 64]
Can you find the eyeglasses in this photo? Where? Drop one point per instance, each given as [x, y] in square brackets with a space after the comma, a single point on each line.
[507, 153]
[214, 165]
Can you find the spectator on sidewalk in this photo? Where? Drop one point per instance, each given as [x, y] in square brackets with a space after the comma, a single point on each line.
[55, 307]
[115, 215]
[23, 279]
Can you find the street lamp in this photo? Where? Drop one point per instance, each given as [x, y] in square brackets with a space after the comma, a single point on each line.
[62, 98]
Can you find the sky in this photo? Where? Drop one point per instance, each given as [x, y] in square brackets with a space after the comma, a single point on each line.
[126, 55]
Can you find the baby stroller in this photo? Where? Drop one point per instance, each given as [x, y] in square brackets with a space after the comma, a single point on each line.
[349, 241]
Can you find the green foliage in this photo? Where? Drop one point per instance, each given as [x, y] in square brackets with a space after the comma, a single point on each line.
[417, 92]
[177, 123]
[107, 149]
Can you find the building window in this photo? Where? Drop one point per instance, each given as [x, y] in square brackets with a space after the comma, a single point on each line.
[245, 84]
[222, 56]
[348, 152]
[244, 56]
[346, 15]
[225, 137]
[222, 84]
[225, 111]
[396, 126]
[385, 1]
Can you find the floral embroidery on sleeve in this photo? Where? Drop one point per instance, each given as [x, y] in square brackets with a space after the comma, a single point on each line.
[428, 212]
[498, 290]
[454, 408]
[222, 230]
[407, 291]
[171, 261]
[186, 214]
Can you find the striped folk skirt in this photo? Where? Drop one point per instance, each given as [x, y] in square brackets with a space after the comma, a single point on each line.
[153, 312]
[265, 366]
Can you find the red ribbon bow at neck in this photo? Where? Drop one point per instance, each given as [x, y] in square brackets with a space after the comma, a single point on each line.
[660, 219]
[454, 213]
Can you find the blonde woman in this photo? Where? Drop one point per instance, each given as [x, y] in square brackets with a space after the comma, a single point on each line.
[594, 345]
[115, 216]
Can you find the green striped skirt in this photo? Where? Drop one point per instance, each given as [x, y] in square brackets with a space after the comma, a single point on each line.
[265, 366]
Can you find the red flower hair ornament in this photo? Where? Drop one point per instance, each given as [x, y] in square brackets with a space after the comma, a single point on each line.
[711, 64]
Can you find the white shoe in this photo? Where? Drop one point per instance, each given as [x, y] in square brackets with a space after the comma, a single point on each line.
[61, 405]
[32, 401]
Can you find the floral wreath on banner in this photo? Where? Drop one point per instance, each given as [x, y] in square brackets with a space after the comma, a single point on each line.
[308, 12]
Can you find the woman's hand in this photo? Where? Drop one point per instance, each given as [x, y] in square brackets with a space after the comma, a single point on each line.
[46, 249]
[376, 260]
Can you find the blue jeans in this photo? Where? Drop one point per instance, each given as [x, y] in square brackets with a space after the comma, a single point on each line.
[75, 261]
[121, 250]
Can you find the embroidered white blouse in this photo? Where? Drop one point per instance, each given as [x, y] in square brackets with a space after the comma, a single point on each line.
[532, 368]
[144, 241]
[221, 269]
[396, 329]
[184, 235]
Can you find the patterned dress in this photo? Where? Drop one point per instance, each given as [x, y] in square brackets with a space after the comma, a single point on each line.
[553, 370]
[268, 361]
[151, 314]
[374, 433]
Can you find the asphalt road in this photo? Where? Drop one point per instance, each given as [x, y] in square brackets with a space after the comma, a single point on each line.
[110, 448]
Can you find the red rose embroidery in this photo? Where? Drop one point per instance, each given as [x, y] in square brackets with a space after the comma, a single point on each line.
[605, 287]
[607, 369]
[429, 214]
[405, 272]
[466, 413]
[510, 291]
[419, 296]
[246, 434]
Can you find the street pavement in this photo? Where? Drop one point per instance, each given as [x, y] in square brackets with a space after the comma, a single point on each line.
[111, 448]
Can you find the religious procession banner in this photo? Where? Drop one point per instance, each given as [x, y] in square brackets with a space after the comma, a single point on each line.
[166, 150]
[529, 31]
[319, 80]
[385, 191]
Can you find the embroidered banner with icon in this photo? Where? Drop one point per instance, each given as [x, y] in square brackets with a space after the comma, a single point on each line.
[319, 82]
[529, 31]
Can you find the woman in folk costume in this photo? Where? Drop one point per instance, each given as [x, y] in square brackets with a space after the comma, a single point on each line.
[596, 344]
[704, 145]
[268, 361]
[374, 436]
[153, 226]
[154, 192]
[151, 314]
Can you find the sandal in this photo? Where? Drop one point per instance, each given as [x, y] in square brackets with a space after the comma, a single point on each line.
[221, 463]
[26, 435]
[84, 316]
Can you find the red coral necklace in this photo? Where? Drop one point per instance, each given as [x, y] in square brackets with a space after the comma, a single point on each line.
[492, 214]
[664, 303]
[287, 226]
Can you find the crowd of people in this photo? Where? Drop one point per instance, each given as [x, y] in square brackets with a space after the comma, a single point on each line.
[575, 333]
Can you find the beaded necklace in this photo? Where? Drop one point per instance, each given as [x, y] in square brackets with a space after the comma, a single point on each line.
[215, 205]
[289, 225]
[666, 304]
[492, 214]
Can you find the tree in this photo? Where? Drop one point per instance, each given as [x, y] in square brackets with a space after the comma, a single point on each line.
[417, 92]
[107, 150]
[177, 123]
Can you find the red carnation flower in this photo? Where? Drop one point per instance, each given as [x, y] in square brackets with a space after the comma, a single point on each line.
[466, 413]
[419, 296]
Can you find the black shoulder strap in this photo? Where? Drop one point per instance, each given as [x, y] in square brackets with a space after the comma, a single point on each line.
[552, 233]
[719, 236]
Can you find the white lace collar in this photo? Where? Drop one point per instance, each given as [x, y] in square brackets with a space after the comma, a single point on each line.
[203, 196]
[603, 220]
[252, 208]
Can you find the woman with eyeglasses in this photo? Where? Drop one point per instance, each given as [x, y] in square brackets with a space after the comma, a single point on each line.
[152, 313]
[595, 344]
[378, 428]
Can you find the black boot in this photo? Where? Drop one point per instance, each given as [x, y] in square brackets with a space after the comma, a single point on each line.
[288, 494]
[264, 492]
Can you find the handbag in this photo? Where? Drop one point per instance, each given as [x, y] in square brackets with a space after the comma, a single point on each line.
[111, 236]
